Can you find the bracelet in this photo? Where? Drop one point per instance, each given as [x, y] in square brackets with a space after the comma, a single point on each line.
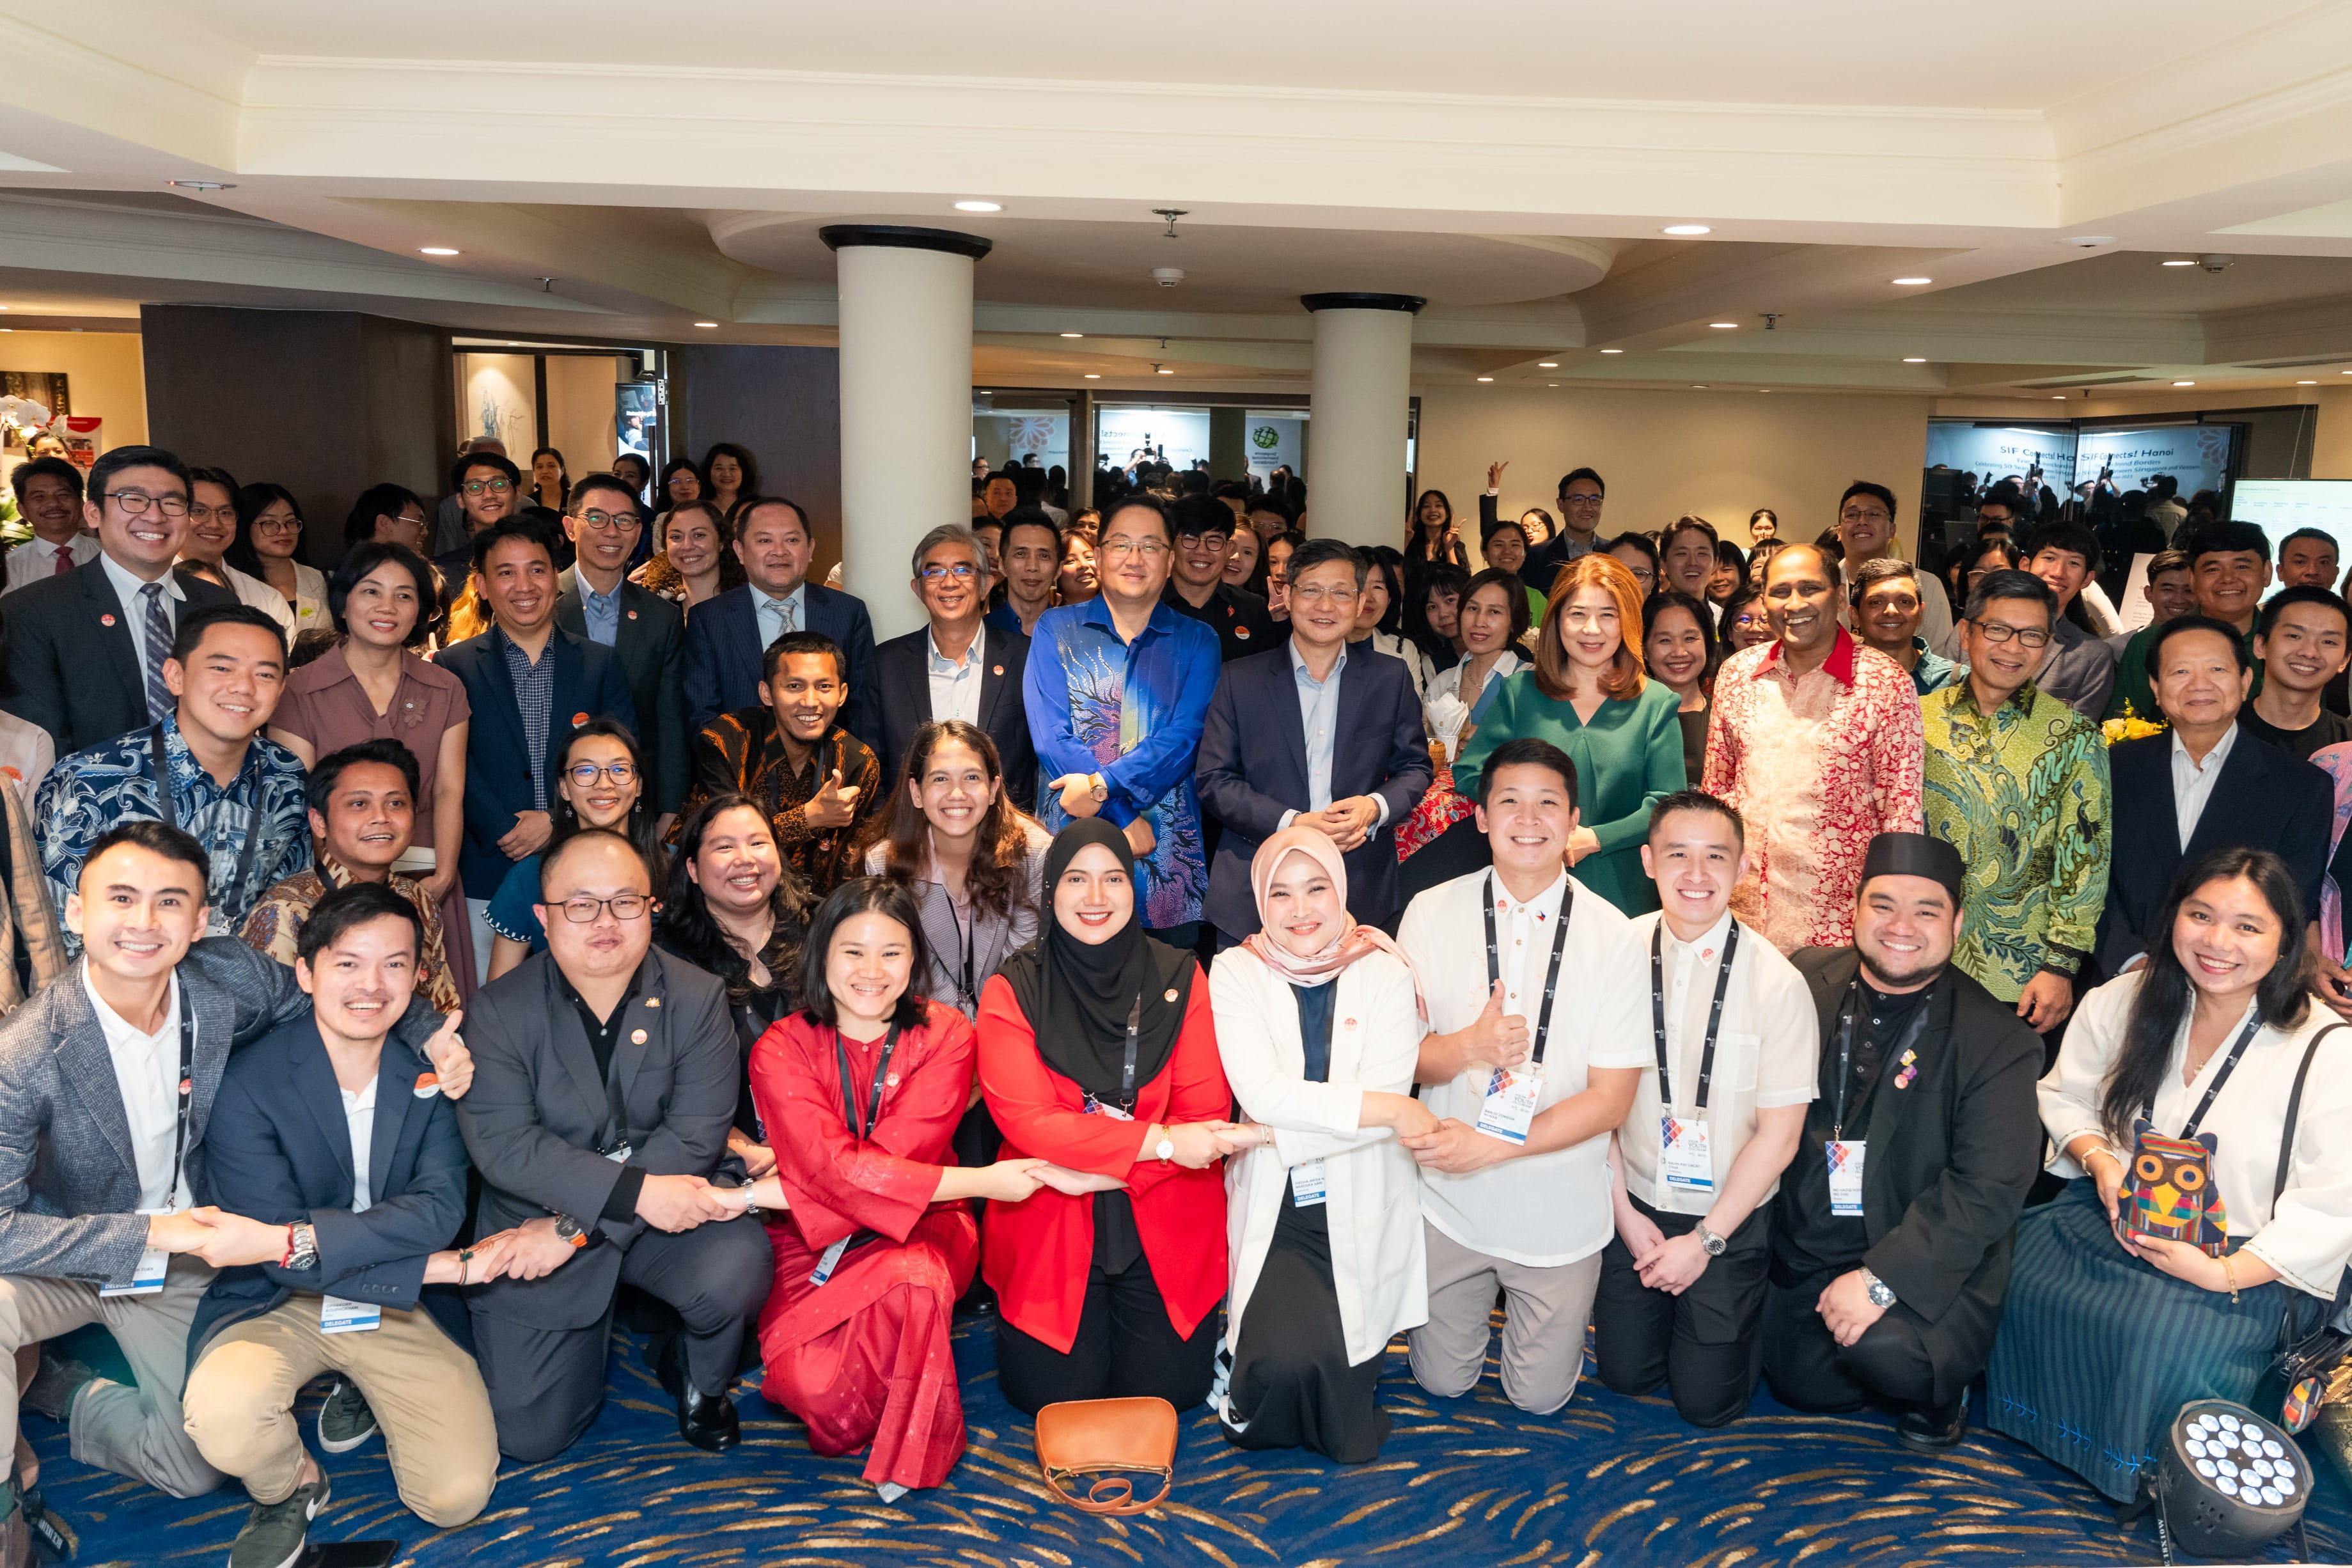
[2230, 1274]
[464, 1258]
[287, 1260]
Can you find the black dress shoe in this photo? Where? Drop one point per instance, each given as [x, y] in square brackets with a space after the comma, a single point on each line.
[708, 1421]
[1933, 1428]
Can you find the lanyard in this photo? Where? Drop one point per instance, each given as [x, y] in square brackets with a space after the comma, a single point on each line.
[169, 810]
[863, 1119]
[1714, 1017]
[967, 942]
[1127, 1069]
[1551, 976]
[187, 1089]
[2228, 1066]
[1846, 1047]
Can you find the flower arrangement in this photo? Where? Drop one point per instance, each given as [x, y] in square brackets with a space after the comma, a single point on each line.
[2130, 727]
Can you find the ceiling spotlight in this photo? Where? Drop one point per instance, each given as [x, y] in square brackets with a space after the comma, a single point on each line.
[1684, 230]
[1485, 378]
[1552, 384]
[1074, 334]
[1547, 365]
[2306, 383]
[1613, 351]
[1723, 326]
[2184, 383]
[436, 250]
[979, 206]
[1094, 376]
[1163, 370]
[203, 184]
[984, 391]
[706, 323]
[2178, 261]
[2057, 397]
[1916, 359]
[1913, 282]
[1698, 386]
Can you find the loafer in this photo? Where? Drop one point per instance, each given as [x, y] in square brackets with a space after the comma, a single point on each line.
[708, 1421]
[1931, 1429]
[344, 1420]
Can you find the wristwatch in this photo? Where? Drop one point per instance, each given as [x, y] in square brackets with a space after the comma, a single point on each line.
[571, 1230]
[302, 1248]
[1882, 1294]
[1710, 1243]
[1165, 1149]
[1097, 788]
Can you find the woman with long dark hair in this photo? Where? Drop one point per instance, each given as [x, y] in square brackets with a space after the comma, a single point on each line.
[1678, 650]
[730, 475]
[268, 532]
[1432, 535]
[602, 786]
[1379, 615]
[2200, 1104]
[1433, 613]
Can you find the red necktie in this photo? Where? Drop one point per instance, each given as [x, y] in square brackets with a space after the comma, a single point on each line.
[65, 561]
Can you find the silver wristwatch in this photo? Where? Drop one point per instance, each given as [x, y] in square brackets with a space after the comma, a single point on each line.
[304, 1243]
[1710, 1243]
[1882, 1294]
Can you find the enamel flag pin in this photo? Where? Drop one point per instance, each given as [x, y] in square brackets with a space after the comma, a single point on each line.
[106, 620]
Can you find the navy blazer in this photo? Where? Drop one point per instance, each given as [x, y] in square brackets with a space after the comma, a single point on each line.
[1253, 768]
[589, 683]
[652, 646]
[282, 1152]
[724, 656]
[904, 665]
[2266, 798]
[71, 660]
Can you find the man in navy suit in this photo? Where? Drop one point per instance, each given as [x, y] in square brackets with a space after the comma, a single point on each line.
[956, 667]
[1331, 740]
[2206, 785]
[727, 636]
[597, 601]
[345, 1138]
[530, 683]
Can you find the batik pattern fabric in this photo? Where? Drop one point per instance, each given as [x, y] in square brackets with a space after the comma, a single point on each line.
[275, 926]
[90, 791]
[744, 754]
[2022, 793]
[1132, 713]
[1818, 764]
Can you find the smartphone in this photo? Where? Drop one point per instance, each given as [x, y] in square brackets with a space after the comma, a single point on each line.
[351, 1554]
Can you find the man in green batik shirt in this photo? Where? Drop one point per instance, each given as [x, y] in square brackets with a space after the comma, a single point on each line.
[2017, 781]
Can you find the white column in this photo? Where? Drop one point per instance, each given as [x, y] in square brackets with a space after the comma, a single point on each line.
[1359, 408]
[905, 403]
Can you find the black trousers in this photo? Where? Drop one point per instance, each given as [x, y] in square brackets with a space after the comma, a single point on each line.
[1702, 1343]
[1126, 1348]
[546, 1385]
[1810, 1370]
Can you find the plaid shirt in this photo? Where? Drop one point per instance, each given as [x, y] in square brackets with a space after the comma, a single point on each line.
[742, 753]
[534, 686]
[278, 920]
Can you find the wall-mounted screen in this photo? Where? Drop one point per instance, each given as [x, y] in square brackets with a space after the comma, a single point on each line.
[1994, 453]
[2279, 507]
[2198, 455]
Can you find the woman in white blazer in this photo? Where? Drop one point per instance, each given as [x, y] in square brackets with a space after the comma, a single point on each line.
[1316, 1026]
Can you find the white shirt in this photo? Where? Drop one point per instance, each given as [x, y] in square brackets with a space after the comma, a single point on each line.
[2192, 784]
[1767, 1053]
[130, 591]
[147, 1076]
[36, 558]
[955, 688]
[251, 590]
[1541, 1210]
[359, 1109]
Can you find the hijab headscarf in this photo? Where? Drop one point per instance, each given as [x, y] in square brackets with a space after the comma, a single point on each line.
[1354, 940]
[1077, 994]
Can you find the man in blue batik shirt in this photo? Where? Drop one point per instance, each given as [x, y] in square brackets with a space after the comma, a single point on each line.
[1117, 689]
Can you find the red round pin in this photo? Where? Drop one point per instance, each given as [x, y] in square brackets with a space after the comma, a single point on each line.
[106, 620]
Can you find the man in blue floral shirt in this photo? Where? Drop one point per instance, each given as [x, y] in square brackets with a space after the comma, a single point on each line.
[239, 795]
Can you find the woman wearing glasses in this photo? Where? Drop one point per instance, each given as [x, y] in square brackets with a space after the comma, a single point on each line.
[268, 532]
[602, 786]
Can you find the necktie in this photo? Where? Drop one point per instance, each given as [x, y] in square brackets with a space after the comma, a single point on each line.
[65, 561]
[161, 703]
[784, 608]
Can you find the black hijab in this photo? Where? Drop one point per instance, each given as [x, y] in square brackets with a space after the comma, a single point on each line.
[1077, 994]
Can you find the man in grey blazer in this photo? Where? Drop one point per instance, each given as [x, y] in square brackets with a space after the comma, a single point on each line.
[107, 1080]
[597, 601]
[605, 1087]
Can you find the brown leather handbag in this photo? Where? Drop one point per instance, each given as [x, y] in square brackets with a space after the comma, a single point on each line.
[1112, 1441]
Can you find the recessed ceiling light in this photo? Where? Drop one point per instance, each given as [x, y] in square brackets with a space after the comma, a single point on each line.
[1723, 326]
[1686, 229]
[1698, 386]
[1485, 378]
[2, 307]
[1913, 282]
[2057, 397]
[986, 392]
[434, 250]
[1546, 384]
[979, 206]
[1074, 334]
[1613, 351]
[1094, 376]
[1916, 359]
[706, 323]
[2306, 383]
[2178, 262]
[2184, 383]
[1547, 365]
[1165, 371]
[201, 184]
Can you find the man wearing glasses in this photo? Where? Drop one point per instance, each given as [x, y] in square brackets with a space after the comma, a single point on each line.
[87, 649]
[958, 666]
[1580, 499]
[487, 489]
[1866, 528]
[597, 601]
[1197, 588]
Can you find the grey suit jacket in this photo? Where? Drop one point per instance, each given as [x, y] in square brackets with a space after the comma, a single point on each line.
[652, 646]
[68, 1180]
[537, 1110]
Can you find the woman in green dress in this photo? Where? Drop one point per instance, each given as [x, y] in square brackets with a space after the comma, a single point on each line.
[1586, 693]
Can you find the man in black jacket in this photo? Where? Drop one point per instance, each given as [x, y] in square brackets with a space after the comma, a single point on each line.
[1894, 1227]
[956, 666]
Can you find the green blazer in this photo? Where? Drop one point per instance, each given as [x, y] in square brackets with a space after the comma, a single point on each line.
[1629, 758]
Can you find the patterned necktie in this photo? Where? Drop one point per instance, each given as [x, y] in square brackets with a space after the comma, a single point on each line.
[161, 703]
[784, 608]
[65, 561]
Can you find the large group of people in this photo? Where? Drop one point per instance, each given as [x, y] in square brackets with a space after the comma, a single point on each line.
[1211, 947]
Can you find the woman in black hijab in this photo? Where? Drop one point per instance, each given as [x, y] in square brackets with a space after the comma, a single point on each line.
[1097, 1052]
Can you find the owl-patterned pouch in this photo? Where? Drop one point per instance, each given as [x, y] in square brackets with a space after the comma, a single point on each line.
[2172, 1191]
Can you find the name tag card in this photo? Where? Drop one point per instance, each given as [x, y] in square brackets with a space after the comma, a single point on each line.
[1685, 1158]
[1509, 1108]
[1845, 1158]
[829, 1262]
[1306, 1189]
[337, 1316]
[148, 1276]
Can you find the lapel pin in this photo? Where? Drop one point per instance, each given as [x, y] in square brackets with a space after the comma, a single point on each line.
[1902, 1080]
[1171, 995]
[1242, 632]
[653, 1001]
[632, 614]
[1000, 670]
[578, 720]
[637, 1036]
[106, 620]
[427, 1086]
[1351, 1023]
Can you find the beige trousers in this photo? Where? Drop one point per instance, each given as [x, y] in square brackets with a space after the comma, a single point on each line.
[134, 1431]
[1545, 1314]
[426, 1394]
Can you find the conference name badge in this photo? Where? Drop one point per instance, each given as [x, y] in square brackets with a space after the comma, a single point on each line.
[1509, 1108]
[1685, 1156]
[1307, 1190]
[337, 1316]
[1845, 1175]
[147, 1276]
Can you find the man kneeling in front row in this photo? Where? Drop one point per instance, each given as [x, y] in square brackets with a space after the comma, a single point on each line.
[339, 1140]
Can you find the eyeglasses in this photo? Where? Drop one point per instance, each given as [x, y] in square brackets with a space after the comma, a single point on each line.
[1579, 500]
[134, 503]
[1316, 594]
[605, 520]
[2031, 636]
[961, 570]
[586, 774]
[207, 513]
[1865, 514]
[487, 487]
[277, 525]
[1642, 574]
[1120, 547]
[624, 907]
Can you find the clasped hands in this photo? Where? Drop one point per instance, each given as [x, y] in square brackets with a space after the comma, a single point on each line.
[1348, 822]
[1672, 1264]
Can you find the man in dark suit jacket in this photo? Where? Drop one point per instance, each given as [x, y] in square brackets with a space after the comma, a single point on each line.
[728, 635]
[604, 1092]
[598, 602]
[86, 650]
[1935, 1080]
[2241, 792]
[1341, 750]
[513, 756]
[374, 1195]
[979, 683]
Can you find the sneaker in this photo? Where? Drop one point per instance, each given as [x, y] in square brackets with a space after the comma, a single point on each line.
[344, 1420]
[275, 1533]
[51, 1393]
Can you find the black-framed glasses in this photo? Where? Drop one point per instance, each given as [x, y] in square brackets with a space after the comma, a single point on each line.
[583, 775]
[607, 520]
[496, 486]
[624, 907]
[2031, 636]
[134, 503]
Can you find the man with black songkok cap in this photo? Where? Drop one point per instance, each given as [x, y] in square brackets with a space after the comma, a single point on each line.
[1894, 1228]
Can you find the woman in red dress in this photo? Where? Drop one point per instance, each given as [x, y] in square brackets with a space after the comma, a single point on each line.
[860, 1092]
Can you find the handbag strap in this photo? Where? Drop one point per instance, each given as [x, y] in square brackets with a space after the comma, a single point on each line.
[1110, 1493]
[2294, 1107]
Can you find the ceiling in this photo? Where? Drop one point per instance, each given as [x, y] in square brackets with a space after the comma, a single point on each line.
[1514, 161]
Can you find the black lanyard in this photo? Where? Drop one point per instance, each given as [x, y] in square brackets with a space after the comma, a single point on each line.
[864, 1119]
[1845, 1046]
[169, 810]
[967, 941]
[2228, 1066]
[1714, 1017]
[1127, 1069]
[1495, 962]
[187, 1089]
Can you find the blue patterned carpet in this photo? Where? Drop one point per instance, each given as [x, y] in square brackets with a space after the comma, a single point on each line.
[1609, 1480]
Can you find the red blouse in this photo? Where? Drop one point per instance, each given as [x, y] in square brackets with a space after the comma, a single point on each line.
[1036, 1252]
